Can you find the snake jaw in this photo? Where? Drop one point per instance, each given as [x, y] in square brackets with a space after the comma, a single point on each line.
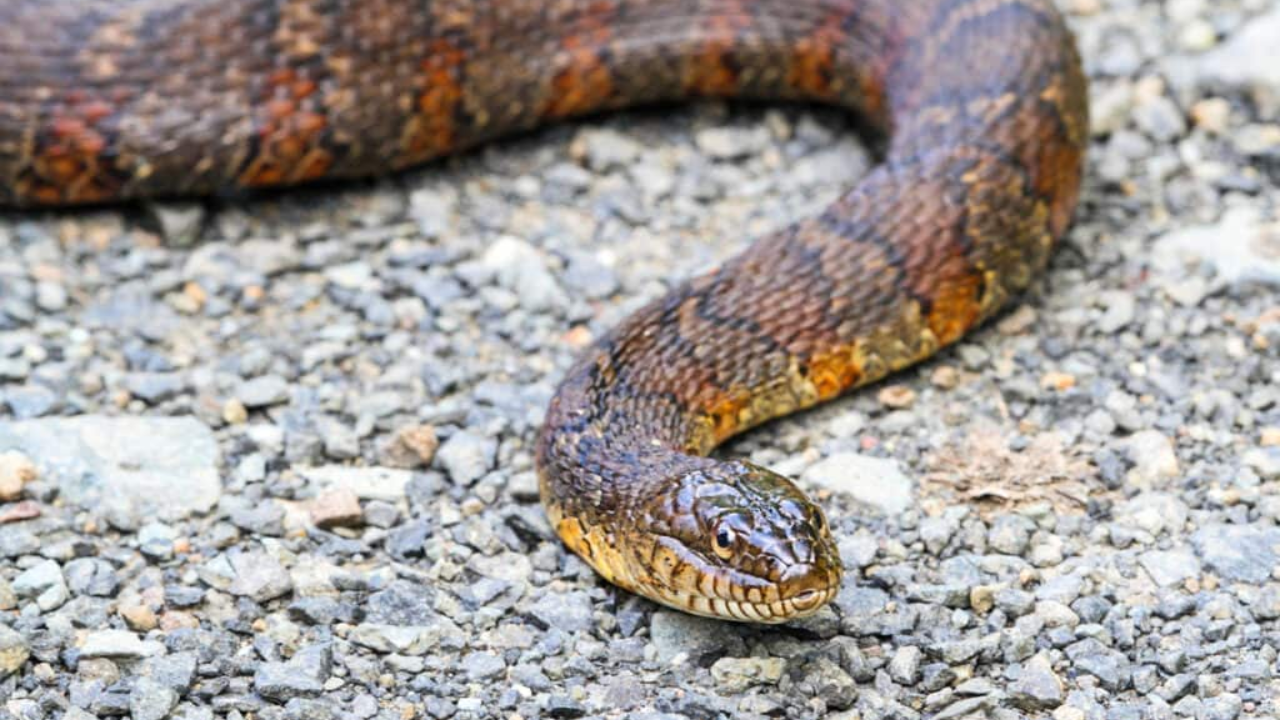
[730, 595]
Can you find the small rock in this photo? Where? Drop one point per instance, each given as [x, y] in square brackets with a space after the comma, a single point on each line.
[896, 396]
[1011, 534]
[179, 223]
[1264, 461]
[1110, 667]
[412, 447]
[263, 391]
[1153, 512]
[467, 457]
[560, 706]
[1269, 437]
[483, 666]
[829, 681]
[234, 412]
[735, 675]
[1014, 601]
[368, 483]
[120, 644]
[1170, 567]
[262, 518]
[156, 541]
[1121, 308]
[675, 635]
[1111, 108]
[945, 377]
[1267, 604]
[1243, 553]
[1022, 319]
[1212, 114]
[1039, 687]
[45, 583]
[606, 149]
[151, 700]
[176, 671]
[139, 617]
[16, 470]
[569, 612]
[725, 143]
[164, 466]
[336, 508]
[432, 210]
[401, 603]
[408, 639]
[14, 651]
[17, 541]
[904, 667]
[155, 387]
[522, 269]
[1160, 119]
[304, 674]
[1240, 245]
[255, 574]
[31, 401]
[875, 481]
[1153, 458]
[1245, 59]
[91, 576]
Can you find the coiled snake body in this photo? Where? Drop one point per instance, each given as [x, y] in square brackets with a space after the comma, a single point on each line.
[983, 102]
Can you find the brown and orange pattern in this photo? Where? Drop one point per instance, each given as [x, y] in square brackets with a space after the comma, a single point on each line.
[983, 102]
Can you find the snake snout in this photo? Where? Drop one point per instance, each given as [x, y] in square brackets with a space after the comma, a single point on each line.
[808, 586]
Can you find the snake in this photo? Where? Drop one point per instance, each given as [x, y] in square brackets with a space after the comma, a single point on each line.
[981, 111]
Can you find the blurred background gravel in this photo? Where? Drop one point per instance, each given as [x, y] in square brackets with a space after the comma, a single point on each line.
[271, 458]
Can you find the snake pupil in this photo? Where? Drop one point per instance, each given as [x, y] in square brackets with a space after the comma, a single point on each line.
[724, 542]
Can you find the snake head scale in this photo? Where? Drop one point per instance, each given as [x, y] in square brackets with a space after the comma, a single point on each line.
[735, 541]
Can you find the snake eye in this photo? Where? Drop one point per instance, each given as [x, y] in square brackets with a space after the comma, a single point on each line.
[820, 522]
[723, 542]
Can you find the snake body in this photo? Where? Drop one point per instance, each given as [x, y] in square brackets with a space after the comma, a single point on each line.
[982, 101]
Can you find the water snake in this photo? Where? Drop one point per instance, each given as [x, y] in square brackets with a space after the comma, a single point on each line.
[982, 103]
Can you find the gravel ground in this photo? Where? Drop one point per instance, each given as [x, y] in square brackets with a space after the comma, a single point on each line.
[271, 458]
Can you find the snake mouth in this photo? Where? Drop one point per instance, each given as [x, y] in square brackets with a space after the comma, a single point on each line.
[795, 599]
[802, 605]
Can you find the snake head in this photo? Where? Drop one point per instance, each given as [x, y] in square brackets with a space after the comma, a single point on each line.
[739, 542]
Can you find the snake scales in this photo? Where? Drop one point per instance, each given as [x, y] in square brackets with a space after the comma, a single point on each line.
[983, 102]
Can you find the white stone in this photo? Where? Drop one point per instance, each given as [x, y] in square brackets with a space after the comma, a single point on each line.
[165, 466]
[368, 483]
[1240, 246]
[877, 482]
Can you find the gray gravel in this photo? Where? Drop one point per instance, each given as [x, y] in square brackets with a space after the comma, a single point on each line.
[272, 458]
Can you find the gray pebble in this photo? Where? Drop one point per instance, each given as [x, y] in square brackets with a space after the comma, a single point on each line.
[676, 634]
[467, 457]
[483, 666]
[1038, 687]
[568, 612]
[45, 584]
[263, 391]
[1244, 553]
[151, 700]
[302, 675]
[904, 667]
